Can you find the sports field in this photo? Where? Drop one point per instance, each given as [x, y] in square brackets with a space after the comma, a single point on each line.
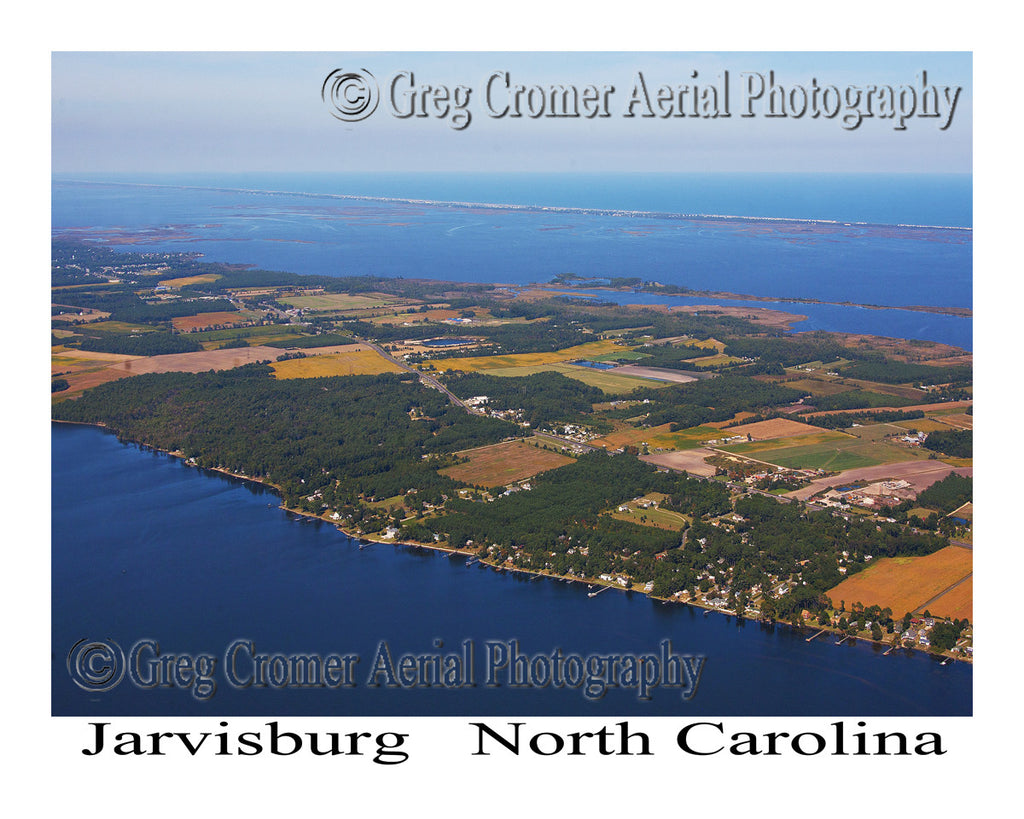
[909, 583]
[504, 463]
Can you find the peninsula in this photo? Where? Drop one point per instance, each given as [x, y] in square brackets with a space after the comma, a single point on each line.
[709, 456]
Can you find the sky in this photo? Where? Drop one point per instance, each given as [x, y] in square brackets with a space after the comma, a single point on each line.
[161, 111]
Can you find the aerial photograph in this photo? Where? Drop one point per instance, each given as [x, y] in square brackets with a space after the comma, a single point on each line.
[512, 383]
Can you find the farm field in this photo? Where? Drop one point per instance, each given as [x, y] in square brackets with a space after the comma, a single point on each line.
[504, 463]
[121, 327]
[83, 369]
[655, 373]
[928, 408]
[921, 474]
[256, 331]
[341, 301]
[922, 424]
[263, 339]
[625, 355]
[482, 363]
[206, 320]
[774, 428]
[691, 461]
[360, 361]
[205, 278]
[907, 583]
[714, 360]
[438, 314]
[957, 420]
[604, 380]
[817, 386]
[957, 602]
[888, 389]
[831, 451]
[658, 437]
[195, 362]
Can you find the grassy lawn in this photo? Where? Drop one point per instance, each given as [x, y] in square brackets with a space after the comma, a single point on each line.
[658, 518]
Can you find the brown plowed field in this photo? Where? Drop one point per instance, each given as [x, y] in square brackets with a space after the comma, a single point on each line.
[205, 320]
[688, 460]
[905, 583]
[504, 463]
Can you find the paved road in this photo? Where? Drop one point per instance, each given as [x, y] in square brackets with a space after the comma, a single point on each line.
[428, 380]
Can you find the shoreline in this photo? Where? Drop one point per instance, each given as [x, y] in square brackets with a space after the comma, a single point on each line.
[369, 539]
[534, 208]
[959, 312]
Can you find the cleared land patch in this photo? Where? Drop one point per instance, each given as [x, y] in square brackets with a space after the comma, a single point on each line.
[504, 463]
[605, 380]
[361, 361]
[691, 461]
[905, 583]
[651, 516]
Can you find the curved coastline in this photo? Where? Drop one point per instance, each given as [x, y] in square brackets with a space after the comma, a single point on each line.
[368, 539]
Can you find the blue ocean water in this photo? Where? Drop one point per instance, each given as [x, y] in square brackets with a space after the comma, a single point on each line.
[145, 548]
[317, 224]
